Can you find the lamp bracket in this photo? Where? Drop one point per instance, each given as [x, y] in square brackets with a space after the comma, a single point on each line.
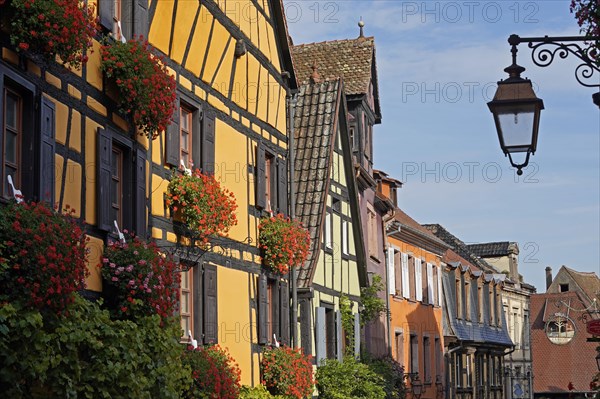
[546, 49]
[519, 167]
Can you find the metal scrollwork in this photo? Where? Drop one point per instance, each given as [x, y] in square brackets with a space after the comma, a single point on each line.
[546, 50]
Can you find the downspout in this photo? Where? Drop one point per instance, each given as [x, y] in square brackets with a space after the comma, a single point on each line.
[386, 249]
[293, 272]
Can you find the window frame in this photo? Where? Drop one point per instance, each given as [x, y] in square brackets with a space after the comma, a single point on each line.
[414, 353]
[189, 143]
[18, 133]
[189, 291]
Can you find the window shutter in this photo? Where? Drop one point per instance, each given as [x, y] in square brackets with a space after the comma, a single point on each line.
[127, 19]
[356, 335]
[47, 172]
[263, 307]
[261, 201]
[140, 18]
[210, 304]
[104, 179]
[275, 312]
[106, 12]
[391, 272]
[306, 332]
[284, 300]
[430, 297]
[208, 142]
[197, 303]
[320, 335]
[140, 193]
[439, 283]
[339, 335]
[345, 237]
[405, 277]
[282, 189]
[172, 137]
[418, 280]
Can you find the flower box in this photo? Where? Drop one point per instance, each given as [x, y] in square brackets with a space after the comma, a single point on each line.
[283, 243]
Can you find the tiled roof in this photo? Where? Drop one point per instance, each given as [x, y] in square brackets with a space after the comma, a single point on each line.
[452, 257]
[491, 249]
[314, 123]
[587, 281]
[555, 366]
[460, 247]
[350, 59]
[407, 221]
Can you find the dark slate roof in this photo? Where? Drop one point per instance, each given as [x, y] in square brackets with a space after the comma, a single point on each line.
[468, 331]
[315, 125]
[460, 247]
[351, 59]
[491, 249]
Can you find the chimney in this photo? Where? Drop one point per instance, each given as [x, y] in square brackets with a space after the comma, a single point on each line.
[548, 277]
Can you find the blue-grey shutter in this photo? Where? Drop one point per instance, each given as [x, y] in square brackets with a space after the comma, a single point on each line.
[127, 19]
[140, 18]
[305, 326]
[282, 189]
[210, 305]
[320, 335]
[104, 179]
[356, 335]
[172, 138]
[47, 144]
[106, 12]
[140, 193]
[284, 301]
[208, 142]
[339, 335]
[263, 308]
[261, 200]
[275, 311]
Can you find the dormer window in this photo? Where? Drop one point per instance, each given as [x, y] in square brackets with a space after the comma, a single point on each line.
[564, 287]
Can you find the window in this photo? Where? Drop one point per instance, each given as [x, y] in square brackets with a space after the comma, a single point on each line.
[480, 302]
[458, 285]
[394, 196]
[411, 278]
[273, 311]
[271, 181]
[330, 333]
[352, 139]
[434, 286]
[564, 287]
[418, 279]
[198, 302]
[399, 347]
[121, 183]
[190, 138]
[328, 232]
[469, 370]
[372, 231]
[406, 280]
[345, 238]
[414, 353]
[498, 308]
[13, 133]
[560, 330]
[27, 139]
[516, 330]
[438, 354]
[458, 370]
[131, 14]
[186, 305]
[185, 136]
[467, 298]
[427, 360]
[526, 329]
[491, 305]
[398, 273]
[425, 277]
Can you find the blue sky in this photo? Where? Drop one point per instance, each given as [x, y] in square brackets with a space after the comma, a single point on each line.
[438, 64]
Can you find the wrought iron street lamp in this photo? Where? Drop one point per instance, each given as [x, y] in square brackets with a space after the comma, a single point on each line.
[417, 387]
[515, 106]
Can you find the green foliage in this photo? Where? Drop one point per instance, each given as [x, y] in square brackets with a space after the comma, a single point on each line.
[258, 392]
[287, 371]
[349, 379]
[392, 374]
[88, 355]
[347, 323]
[373, 306]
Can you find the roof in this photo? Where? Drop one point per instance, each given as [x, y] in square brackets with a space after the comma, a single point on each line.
[452, 257]
[351, 59]
[315, 126]
[493, 249]
[587, 281]
[460, 247]
[406, 221]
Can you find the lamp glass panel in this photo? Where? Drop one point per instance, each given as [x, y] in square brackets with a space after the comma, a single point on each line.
[517, 129]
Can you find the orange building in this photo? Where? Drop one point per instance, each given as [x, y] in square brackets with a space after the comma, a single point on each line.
[414, 286]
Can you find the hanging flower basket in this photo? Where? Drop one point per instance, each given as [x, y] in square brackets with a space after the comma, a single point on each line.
[139, 280]
[51, 28]
[146, 90]
[199, 201]
[283, 243]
